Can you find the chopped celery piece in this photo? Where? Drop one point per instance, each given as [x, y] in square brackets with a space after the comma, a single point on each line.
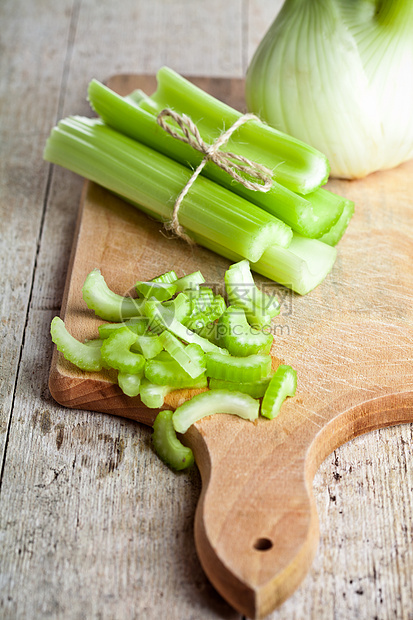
[161, 315]
[238, 369]
[333, 236]
[256, 389]
[217, 307]
[180, 307]
[159, 290]
[138, 326]
[130, 383]
[243, 292]
[189, 282]
[311, 215]
[282, 384]
[214, 401]
[108, 305]
[202, 301]
[168, 372]
[152, 182]
[203, 325]
[167, 445]
[147, 344]
[117, 354]
[190, 357]
[166, 278]
[296, 165]
[153, 395]
[238, 337]
[84, 356]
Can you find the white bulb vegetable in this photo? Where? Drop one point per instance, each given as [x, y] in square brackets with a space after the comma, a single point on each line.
[338, 74]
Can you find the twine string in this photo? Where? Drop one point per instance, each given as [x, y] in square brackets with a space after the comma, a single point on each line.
[231, 163]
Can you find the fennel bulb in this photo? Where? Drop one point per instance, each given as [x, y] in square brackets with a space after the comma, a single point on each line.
[338, 74]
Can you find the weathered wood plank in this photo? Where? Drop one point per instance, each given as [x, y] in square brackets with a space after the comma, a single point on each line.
[92, 523]
[31, 67]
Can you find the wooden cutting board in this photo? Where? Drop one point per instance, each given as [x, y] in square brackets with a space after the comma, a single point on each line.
[350, 340]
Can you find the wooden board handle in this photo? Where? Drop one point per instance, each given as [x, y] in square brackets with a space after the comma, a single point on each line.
[256, 524]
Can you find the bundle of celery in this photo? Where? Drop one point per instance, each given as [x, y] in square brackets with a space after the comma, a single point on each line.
[178, 334]
[287, 233]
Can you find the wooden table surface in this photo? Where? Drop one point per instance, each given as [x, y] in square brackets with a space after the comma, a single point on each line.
[92, 524]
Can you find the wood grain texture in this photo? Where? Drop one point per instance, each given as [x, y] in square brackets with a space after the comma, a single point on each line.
[91, 541]
[256, 523]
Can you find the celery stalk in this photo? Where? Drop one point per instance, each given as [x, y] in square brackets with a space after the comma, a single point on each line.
[296, 165]
[148, 178]
[311, 215]
[333, 236]
[301, 267]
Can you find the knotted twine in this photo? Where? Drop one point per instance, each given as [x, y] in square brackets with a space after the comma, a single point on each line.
[231, 163]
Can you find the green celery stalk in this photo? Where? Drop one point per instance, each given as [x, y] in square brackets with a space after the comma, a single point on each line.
[301, 267]
[333, 236]
[311, 215]
[149, 179]
[296, 165]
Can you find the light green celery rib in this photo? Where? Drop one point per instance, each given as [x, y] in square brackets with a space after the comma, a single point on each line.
[333, 236]
[296, 165]
[301, 267]
[311, 215]
[149, 179]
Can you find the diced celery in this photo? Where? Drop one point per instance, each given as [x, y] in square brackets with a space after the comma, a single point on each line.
[238, 337]
[282, 384]
[211, 402]
[82, 355]
[189, 357]
[168, 372]
[153, 395]
[167, 445]
[158, 290]
[238, 369]
[130, 383]
[189, 282]
[166, 278]
[108, 305]
[138, 326]
[117, 354]
[256, 389]
[161, 315]
[147, 344]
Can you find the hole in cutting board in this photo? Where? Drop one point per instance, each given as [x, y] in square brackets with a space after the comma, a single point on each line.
[263, 544]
